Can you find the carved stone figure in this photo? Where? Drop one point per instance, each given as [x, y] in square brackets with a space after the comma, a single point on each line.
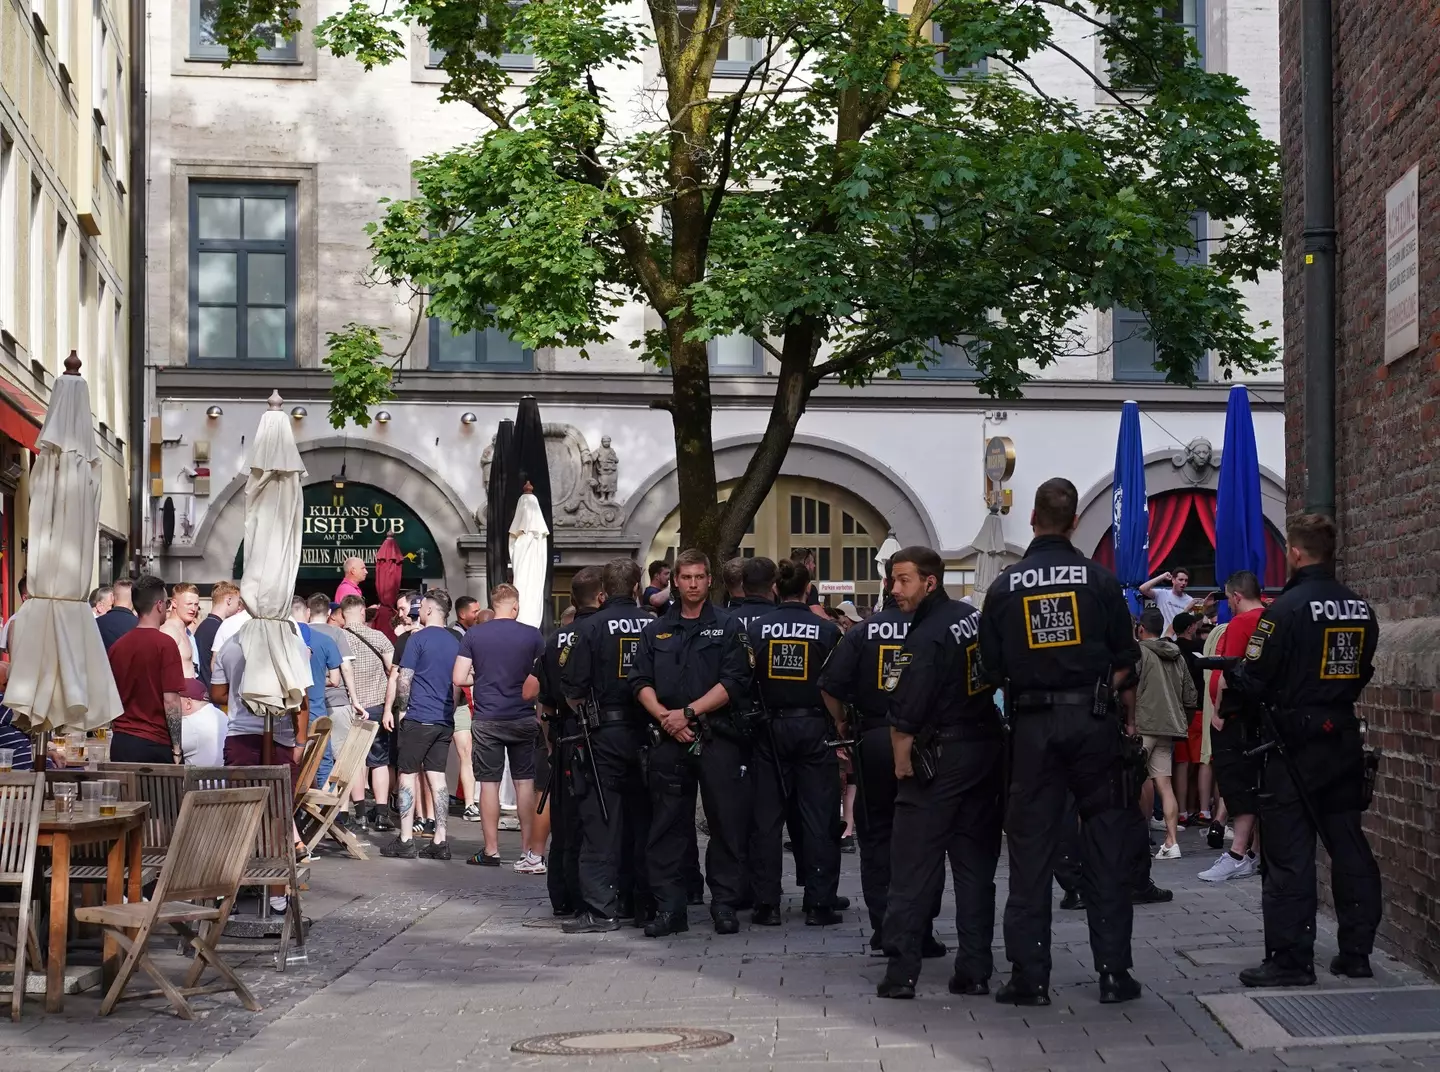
[583, 482]
[1197, 460]
[607, 468]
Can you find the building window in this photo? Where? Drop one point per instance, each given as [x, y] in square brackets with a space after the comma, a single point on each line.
[1190, 14]
[735, 355]
[242, 272]
[738, 55]
[1134, 349]
[9, 239]
[509, 61]
[947, 361]
[488, 350]
[941, 37]
[204, 46]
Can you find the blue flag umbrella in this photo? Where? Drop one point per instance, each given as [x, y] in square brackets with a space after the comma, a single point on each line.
[1129, 510]
[1239, 521]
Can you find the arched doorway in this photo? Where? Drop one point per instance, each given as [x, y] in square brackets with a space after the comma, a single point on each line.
[339, 523]
[843, 530]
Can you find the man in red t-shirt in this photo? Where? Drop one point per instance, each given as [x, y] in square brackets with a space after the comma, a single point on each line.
[150, 678]
[1234, 771]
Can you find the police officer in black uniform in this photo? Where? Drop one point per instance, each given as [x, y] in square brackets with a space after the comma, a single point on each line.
[946, 743]
[1056, 634]
[791, 645]
[691, 668]
[595, 678]
[1309, 658]
[563, 875]
[853, 685]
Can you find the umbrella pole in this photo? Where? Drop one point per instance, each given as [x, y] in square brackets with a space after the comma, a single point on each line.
[267, 742]
[38, 741]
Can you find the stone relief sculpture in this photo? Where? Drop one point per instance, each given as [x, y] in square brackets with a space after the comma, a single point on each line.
[583, 483]
[1197, 461]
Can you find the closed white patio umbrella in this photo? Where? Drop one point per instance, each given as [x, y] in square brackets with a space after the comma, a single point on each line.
[277, 663]
[530, 556]
[60, 676]
[989, 555]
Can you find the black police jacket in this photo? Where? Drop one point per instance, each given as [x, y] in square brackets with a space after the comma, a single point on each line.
[858, 667]
[548, 667]
[1055, 620]
[750, 608]
[936, 680]
[791, 644]
[1311, 655]
[684, 658]
[599, 658]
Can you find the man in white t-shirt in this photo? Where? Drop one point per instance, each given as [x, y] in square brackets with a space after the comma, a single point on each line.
[1172, 600]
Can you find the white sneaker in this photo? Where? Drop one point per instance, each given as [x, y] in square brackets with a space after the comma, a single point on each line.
[1227, 867]
[1168, 852]
[509, 822]
[530, 864]
[1229, 833]
[472, 813]
[1249, 867]
[1157, 824]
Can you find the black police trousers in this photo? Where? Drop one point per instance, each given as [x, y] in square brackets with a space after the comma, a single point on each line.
[874, 823]
[604, 878]
[1067, 858]
[1332, 774]
[1055, 751]
[562, 878]
[792, 751]
[725, 792]
[957, 815]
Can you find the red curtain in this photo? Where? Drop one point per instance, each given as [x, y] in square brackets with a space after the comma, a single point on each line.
[1168, 514]
[1275, 571]
[1169, 511]
[1205, 511]
[1105, 550]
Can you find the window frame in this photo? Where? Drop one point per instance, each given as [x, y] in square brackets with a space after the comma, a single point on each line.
[1196, 30]
[200, 52]
[979, 70]
[944, 370]
[506, 61]
[1137, 320]
[757, 355]
[436, 364]
[289, 245]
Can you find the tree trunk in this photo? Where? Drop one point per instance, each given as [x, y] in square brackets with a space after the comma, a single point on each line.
[694, 441]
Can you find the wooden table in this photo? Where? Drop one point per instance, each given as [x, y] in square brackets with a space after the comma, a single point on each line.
[60, 834]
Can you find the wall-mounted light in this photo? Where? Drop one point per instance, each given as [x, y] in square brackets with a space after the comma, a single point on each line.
[299, 413]
[468, 418]
[214, 412]
[383, 417]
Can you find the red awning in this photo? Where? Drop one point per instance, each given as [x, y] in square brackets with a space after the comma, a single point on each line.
[20, 415]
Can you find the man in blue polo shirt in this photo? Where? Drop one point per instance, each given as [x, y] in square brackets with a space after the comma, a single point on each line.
[425, 703]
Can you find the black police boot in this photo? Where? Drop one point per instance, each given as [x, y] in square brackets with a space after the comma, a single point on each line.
[1352, 965]
[823, 917]
[933, 947]
[624, 907]
[562, 911]
[765, 915]
[1273, 973]
[1073, 902]
[1151, 894]
[695, 898]
[1116, 987]
[666, 923]
[590, 923]
[644, 914]
[876, 947]
[841, 903]
[725, 921]
[895, 988]
[1019, 992]
[968, 987]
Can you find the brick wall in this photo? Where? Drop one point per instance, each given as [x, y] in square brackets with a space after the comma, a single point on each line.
[1387, 80]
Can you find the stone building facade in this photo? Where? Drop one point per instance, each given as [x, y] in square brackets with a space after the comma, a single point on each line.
[1387, 83]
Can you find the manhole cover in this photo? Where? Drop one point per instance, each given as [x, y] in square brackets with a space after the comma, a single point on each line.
[1364, 1012]
[544, 923]
[624, 1040]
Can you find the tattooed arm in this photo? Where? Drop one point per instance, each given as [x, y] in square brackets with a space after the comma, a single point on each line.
[173, 718]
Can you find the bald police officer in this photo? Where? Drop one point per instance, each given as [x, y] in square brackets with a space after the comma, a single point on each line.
[1310, 657]
[595, 675]
[792, 763]
[946, 741]
[1056, 634]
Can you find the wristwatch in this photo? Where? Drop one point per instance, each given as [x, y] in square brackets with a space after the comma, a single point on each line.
[689, 714]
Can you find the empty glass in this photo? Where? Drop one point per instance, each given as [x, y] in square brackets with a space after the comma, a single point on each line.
[90, 798]
[64, 793]
[75, 749]
[7, 760]
[109, 796]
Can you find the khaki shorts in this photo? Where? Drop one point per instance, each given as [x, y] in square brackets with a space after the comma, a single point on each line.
[1162, 755]
[462, 719]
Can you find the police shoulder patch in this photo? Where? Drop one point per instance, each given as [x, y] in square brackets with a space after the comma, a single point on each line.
[663, 636]
[1255, 646]
[565, 653]
[897, 667]
[1265, 626]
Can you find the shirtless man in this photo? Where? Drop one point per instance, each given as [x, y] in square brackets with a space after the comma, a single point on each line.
[180, 623]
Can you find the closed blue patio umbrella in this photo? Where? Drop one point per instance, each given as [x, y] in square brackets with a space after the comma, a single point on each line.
[1239, 520]
[1129, 508]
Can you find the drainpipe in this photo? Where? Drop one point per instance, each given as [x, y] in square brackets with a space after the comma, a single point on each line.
[139, 196]
[1318, 122]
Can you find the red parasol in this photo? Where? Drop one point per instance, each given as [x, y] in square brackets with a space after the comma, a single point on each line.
[388, 561]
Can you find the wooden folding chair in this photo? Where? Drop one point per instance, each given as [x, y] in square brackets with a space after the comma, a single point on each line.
[312, 757]
[163, 785]
[272, 860]
[87, 862]
[213, 839]
[21, 797]
[325, 804]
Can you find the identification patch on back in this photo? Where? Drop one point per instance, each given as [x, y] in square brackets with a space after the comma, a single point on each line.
[897, 667]
[975, 682]
[883, 664]
[1052, 621]
[789, 660]
[628, 646]
[1340, 660]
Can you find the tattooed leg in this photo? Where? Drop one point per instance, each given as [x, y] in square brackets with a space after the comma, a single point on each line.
[441, 794]
[408, 784]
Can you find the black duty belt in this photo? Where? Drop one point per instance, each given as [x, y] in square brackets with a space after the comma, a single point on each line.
[607, 715]
[971, 731]
[796, 712]
[1034, 700]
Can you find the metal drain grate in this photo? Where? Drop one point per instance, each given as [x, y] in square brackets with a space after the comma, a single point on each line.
[1352, 1013]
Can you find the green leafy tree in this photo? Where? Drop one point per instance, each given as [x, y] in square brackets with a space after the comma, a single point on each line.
[864, 194]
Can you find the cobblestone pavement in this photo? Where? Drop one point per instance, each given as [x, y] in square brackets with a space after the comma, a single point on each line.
[418, 964]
